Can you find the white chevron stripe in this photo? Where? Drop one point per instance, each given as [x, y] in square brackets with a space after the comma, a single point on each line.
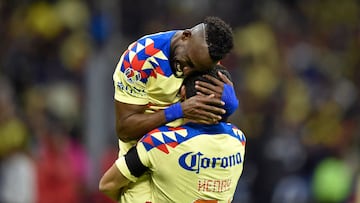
[148, 41]
[158, 135]
[131, 55]
[139, 47]
[171, 135]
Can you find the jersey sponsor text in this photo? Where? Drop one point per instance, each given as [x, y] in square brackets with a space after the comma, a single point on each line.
[196, 161]
[131, 90]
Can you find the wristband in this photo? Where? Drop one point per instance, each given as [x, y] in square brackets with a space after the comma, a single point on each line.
[229, 97]
[173, 112]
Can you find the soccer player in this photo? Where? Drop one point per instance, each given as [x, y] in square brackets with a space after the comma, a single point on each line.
[147, 81]
[190, 163]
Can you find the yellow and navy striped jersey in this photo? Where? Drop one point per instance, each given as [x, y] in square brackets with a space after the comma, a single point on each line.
[190, 163]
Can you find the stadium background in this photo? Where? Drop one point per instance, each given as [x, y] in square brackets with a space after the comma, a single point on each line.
[296, 69]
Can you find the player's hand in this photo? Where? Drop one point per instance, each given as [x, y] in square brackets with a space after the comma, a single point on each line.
[216, 86]
[222, 89]
[203, 109]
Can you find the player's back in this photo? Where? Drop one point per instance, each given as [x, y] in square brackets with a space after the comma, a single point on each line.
[194, 162]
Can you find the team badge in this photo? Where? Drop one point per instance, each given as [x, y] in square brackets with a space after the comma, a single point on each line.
[132, 76]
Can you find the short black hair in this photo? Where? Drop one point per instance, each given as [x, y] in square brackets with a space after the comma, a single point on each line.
[219, 37]
[190, 80]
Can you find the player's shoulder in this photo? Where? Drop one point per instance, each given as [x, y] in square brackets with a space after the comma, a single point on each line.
[166, 35]
[229, 129]
[237, 133]
[164, 129]
[162, 137]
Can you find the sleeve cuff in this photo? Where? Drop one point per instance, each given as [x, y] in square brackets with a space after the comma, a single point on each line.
[121, 165]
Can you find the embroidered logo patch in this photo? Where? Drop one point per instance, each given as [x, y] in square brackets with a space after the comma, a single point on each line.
[132, 76]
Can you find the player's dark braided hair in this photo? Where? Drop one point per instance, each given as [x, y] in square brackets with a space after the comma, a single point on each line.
[219, 37]
[189, 81]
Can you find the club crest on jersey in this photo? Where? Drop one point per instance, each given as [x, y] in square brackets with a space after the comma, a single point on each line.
[132, 76]
[197, 161]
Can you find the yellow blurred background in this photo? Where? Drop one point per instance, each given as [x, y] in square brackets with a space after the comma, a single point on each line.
[296, 71]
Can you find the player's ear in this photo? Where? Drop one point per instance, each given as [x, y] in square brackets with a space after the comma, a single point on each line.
[183, 92]
[186, 34]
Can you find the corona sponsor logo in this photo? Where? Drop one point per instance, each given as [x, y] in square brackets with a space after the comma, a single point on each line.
[197, 161]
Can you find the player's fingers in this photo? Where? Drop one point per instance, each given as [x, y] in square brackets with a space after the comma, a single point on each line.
[212, 100]
[192, 102]
[201, 121]
[208, 122]
[210, 106]
[211, 111]
[200, 115]
[224, 78]
[203, 107]
[204, 116]
[208, 89]
[208, 85]
[214, 80]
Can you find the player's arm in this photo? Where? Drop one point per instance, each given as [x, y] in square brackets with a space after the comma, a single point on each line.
[132, 122]
[127, 168]
[111, 182]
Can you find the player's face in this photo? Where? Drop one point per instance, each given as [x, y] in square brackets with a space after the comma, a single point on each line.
[192, 53]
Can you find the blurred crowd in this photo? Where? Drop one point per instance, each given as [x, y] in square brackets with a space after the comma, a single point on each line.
[295, 66]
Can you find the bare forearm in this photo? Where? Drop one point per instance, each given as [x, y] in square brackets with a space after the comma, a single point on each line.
[111, 182]
[136, 125]
[132, 122]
